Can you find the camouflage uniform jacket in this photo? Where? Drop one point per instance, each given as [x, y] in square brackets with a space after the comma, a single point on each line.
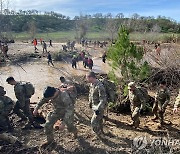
[6, 105]
[97, 96]
[61, 103]
[177, 102]
[137, 98]
[162, 97]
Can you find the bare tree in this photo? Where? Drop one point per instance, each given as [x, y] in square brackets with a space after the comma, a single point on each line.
[98, 15]
[156, 28]
[81, 27]
[4, 10]
[120, 16]
[135, 16]
[112, 28]
[1, 17]
[108, 15]
[32, 29]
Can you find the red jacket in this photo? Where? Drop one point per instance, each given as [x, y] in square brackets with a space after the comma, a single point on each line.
[35, 42]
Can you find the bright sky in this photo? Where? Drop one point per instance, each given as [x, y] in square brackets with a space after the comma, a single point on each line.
[168, 8]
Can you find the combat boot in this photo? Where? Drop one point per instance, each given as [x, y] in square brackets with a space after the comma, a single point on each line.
[136, 124]
[75, 134]
[154, 118]
[48, 144]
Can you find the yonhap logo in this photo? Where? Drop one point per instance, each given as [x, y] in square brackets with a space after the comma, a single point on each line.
[140, 142]
[144, 143]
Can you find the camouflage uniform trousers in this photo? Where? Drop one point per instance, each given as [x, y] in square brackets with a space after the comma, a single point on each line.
[26, 110]
[97, 122]
[4, 123]
[135, 115]
[158, 111]
[53, 117]
[44, 49]
[73, 99]
[4, 127]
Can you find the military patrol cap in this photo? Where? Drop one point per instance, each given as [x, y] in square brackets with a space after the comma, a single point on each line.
[62, 78]
[49, 92]
[10, 79]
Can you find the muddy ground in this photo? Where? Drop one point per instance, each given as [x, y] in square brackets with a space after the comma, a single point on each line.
[119, 135]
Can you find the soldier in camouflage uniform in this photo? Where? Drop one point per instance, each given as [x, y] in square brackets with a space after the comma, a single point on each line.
[137, 101]
[177, 103]
[6, 107]
[98, 102]
[162, 99]
[68, 86]
[23, 104]
[63, 109]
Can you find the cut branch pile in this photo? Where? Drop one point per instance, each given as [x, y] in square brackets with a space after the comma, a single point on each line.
[165, 67]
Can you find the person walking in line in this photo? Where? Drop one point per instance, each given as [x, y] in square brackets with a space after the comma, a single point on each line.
[50, 59]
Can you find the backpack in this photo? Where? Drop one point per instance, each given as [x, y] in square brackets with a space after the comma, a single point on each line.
[149, 100]
[144, 91]
[110, 88]
[29, 89]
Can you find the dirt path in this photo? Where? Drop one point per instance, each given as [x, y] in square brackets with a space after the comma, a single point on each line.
[40, 74]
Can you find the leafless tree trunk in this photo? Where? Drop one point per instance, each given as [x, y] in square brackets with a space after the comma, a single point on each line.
[32, 29]
[81, 27]
[4, 5]
[112, 28]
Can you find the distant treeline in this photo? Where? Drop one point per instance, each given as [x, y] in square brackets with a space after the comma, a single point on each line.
[22, 21]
